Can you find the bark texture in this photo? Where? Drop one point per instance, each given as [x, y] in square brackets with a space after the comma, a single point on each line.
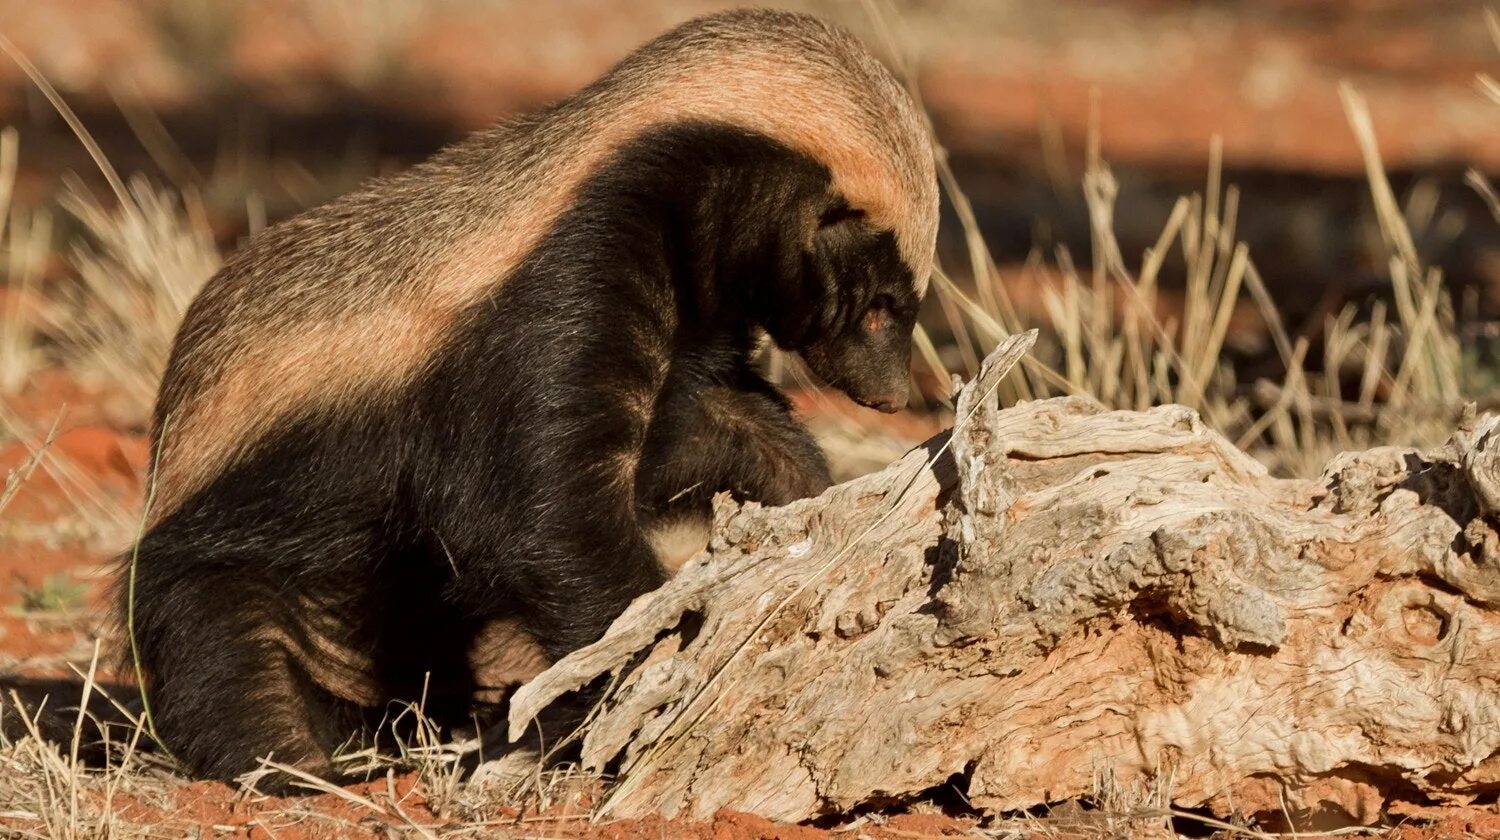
[1057, 598]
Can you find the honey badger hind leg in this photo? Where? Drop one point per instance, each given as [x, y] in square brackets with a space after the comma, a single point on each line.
[268, 563]
[224, 690]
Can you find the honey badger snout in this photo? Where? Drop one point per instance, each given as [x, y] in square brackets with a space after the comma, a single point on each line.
[870, 361]
[874, 376]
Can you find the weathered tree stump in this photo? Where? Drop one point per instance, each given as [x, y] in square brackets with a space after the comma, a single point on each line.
[1059, 594]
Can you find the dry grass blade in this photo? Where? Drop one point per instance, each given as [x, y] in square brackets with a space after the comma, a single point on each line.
[320, 785]
[54, 98]
[1388, 210]
[83, 705]
[28, 240]
[130, 581]
[1481, 185]
[19, 476]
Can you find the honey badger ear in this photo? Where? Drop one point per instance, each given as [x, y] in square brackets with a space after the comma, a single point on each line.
[818, 297]
[838, 233]
[836, 213]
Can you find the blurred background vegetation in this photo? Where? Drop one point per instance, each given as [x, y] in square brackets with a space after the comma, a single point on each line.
[1275, 211]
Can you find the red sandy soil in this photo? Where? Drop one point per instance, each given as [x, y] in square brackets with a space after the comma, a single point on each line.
[399, 803]
[1456, 823]
[35, 543]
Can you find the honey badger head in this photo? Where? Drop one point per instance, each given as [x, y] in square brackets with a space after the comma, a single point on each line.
[845, 295]
[850, 307]
[854, 303]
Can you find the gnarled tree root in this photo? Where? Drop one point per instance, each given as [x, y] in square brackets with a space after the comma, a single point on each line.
[1058, 594]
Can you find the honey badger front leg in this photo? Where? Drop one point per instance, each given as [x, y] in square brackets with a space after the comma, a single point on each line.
[711, 436]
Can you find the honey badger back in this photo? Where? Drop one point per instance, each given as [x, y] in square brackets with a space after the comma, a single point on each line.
[455, 406]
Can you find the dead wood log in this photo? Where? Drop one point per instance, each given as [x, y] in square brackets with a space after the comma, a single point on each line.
[1061, 594]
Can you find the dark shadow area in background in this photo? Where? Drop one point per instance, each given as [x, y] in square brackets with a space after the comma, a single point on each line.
[1312, 235]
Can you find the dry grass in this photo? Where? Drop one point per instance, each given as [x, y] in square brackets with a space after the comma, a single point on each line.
[137, 267]
[1105, 336]
[26, 237]
[47, 790]
[1108, 335]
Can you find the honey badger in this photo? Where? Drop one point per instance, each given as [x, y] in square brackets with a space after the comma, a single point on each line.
[410, 438]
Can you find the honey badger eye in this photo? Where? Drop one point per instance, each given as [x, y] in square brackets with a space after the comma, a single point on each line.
[880, 314]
